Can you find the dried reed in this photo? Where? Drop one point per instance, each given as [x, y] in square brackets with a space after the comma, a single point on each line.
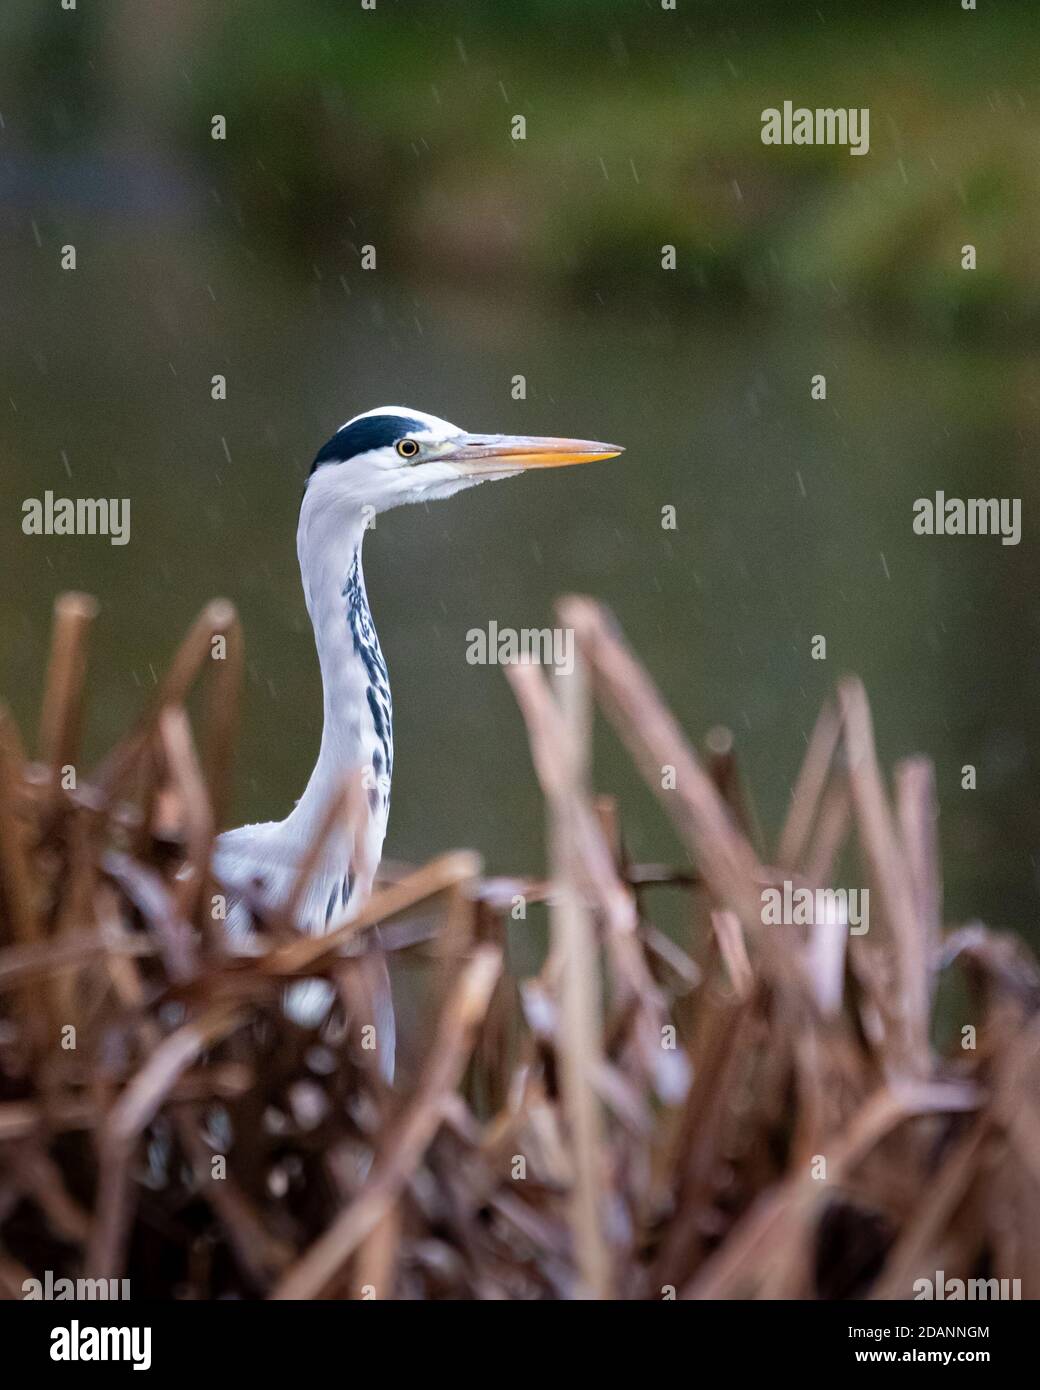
[749, 1111]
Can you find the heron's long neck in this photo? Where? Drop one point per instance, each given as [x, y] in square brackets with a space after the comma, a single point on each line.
[357, 730]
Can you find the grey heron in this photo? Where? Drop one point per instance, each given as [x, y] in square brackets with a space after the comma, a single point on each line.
[381, 459]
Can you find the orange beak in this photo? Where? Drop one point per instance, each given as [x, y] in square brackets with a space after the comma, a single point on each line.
[496, 453]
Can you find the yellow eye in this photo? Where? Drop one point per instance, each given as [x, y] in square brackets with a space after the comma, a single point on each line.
[407, 448]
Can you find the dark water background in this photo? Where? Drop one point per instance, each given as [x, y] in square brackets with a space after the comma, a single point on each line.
[794, 516]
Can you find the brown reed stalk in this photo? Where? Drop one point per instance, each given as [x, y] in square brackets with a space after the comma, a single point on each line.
[735, 1110]
[558, 743]
[62, 709]
[408, 1138]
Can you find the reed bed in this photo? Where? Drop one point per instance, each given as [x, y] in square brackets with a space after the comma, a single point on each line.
[748, 1111]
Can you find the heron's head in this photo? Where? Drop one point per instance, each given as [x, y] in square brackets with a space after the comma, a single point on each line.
[393, 455]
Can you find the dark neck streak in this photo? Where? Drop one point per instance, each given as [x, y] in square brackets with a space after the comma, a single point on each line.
[366, 646]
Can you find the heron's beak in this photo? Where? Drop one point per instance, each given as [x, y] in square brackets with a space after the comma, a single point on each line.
[496, 453]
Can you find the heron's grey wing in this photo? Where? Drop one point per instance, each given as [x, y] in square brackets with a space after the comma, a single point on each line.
[252, 861]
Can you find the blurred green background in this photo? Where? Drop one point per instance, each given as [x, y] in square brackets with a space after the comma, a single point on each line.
[499, 257]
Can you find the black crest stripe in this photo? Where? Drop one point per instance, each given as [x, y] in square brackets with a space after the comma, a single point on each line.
[371, 432]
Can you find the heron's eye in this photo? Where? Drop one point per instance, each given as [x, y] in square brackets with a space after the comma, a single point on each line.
[407, 448]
